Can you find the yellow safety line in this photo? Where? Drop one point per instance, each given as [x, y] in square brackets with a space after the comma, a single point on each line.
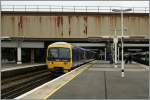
[65, 83]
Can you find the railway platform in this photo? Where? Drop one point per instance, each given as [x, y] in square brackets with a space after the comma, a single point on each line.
[9, 67]
[96, 80]
[11, 70]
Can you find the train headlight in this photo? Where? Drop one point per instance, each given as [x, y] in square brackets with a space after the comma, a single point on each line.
[51, 62]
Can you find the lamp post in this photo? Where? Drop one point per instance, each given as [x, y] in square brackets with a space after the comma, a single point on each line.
[122, 11]
[115, 45]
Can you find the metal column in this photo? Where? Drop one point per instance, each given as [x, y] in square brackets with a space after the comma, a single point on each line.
[118, 53]
[19, 55]
[105, 53]
[122, 51]
[115, 43]
[32, 55]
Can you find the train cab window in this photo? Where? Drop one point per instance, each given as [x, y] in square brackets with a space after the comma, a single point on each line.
[59, 54]
[64, 53]
[53, 53]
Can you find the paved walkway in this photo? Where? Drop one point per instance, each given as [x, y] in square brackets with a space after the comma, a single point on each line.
[96, 80]
[103, 81]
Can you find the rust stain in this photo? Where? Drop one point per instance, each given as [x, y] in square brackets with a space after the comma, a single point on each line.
[98, 24]
[55, 24]
[69, 20]
[58, 21]
[12, 18]
[85, 25]
[21, 21]
[40, 23]
[59, 24]
[61, 19]
[85, 18]
[85, 30]
[20, 24]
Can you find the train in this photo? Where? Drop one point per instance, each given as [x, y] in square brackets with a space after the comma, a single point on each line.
[63, 57]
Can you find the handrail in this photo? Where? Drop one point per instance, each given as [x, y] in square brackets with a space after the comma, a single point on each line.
[71, 8]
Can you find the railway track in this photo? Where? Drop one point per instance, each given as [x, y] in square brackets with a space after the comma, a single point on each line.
[14, 86]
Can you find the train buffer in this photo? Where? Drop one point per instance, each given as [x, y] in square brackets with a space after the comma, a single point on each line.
[96, 80]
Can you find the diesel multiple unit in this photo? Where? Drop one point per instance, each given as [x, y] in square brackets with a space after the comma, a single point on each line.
[62, 56]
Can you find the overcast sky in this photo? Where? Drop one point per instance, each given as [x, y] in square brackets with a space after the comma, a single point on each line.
[80, 3]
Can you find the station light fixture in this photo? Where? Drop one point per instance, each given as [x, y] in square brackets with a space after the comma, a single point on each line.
[122, 35]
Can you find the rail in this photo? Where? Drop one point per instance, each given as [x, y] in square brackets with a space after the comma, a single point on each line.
[15, 86]
[56, 8]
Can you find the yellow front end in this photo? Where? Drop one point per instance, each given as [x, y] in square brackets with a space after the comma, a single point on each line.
[65, 65]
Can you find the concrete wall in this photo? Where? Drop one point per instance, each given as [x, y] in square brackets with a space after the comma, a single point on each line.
[33, 25]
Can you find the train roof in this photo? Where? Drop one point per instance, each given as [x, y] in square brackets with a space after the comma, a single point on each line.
[69, 45]
[60, 44]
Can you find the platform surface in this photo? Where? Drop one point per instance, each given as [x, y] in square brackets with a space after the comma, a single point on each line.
[96, 80]
[103, 81]
[8, 67]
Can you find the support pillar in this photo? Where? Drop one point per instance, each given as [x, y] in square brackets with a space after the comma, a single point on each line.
[100, 55]
[115, 43]
[19, 55]
[118, 53]
[32, 55]
[105, 54]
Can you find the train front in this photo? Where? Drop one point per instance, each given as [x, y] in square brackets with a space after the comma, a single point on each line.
[59, 59]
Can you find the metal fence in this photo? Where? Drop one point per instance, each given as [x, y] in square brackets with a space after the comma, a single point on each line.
[55, 8]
